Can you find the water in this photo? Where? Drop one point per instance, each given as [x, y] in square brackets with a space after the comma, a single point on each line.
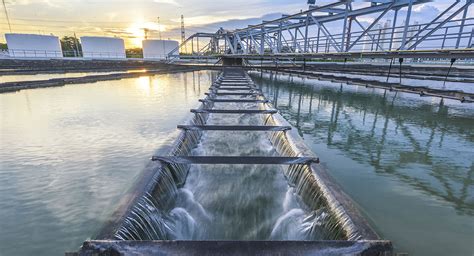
[37, 77]
[227, 202]
[434, 84]
[21, 78]
[407, 161]
[68, 153]
[223, 191]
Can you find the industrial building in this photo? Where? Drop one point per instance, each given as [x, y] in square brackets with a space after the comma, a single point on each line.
[33, 46]
[158, 49]
[103, 47]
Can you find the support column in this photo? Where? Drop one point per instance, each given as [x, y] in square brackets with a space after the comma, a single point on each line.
[306, 34]
[394, 24]
[444, 37]
[461, 28]
[344, 30]
[317, 42]
[349, 30]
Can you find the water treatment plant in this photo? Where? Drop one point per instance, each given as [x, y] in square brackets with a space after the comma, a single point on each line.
[322, 128]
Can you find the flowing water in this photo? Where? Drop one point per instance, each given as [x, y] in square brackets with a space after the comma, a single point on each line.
[240, 202]
[407, 161]
[67, 154]
[227, 202]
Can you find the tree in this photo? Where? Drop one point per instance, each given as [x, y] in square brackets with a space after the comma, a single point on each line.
[71, 46]
[134, 53]
[3, 46]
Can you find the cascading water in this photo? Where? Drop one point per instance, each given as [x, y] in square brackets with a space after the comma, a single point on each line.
[231, 202]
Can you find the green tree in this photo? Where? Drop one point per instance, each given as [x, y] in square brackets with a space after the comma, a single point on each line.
[134, 53]
[3, 46]
[71, 46]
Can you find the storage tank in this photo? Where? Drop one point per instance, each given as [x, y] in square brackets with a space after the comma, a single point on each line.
[102, 47]
[33, 46]
[158, 49]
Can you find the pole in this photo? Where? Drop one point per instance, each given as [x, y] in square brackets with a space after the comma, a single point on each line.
[394, 24]
[449, 70]
[407, 23]
[400, 60]
[183, 34]
[6, 15]
[344, 26]
[159, 28]
[306, 34]
[461, 27]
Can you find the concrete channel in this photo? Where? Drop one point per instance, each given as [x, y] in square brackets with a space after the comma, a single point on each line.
[137, 229]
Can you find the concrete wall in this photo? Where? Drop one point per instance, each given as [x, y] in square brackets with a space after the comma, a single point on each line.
[103, 47]
[33, 46]
[158, 49]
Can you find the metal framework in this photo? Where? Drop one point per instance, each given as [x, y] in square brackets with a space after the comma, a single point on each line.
[340, 28]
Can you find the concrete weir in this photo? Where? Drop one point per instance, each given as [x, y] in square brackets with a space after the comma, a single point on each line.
[149, 219]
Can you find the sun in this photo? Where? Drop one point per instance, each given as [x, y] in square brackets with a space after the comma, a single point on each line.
[136, 32]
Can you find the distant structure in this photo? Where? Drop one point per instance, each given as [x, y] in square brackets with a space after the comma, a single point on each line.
[145, 32]
[158, 49]
[183, 32]
[159, 29]
[103, 47]
[33, 46]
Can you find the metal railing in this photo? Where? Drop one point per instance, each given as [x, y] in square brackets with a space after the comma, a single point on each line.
[22, 53]
[25, 53]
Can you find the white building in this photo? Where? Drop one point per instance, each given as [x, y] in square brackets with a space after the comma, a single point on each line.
[158, 49]
[102, 47]
[33, 46]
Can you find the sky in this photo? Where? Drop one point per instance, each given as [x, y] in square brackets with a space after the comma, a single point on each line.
[127, 19]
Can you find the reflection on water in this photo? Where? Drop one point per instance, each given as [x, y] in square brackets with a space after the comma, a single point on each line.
[67, 154]
[20, 78]
[407, 160]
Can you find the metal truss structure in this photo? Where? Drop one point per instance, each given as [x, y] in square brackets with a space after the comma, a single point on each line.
[340, 30]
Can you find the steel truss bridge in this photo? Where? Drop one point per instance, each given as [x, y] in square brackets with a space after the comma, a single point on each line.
[339, 30]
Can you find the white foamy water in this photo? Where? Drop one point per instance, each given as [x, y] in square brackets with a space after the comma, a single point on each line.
[242, 202]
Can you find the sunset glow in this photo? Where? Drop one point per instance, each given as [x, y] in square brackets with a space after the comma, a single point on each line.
[136, 32]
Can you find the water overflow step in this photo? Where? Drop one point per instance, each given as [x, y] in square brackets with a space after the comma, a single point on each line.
[234, 100]
[235, 111]
[235, 127]
[235, 160]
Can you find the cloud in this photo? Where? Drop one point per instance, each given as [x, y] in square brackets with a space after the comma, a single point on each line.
[171, 2]
[229, 23]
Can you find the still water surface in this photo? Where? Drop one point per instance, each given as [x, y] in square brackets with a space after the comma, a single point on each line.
[21, 78]
[407, 161]
[67, 154]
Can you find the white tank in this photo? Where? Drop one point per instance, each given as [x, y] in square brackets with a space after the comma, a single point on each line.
[102, 47]
[158, 49]
[33, 46]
